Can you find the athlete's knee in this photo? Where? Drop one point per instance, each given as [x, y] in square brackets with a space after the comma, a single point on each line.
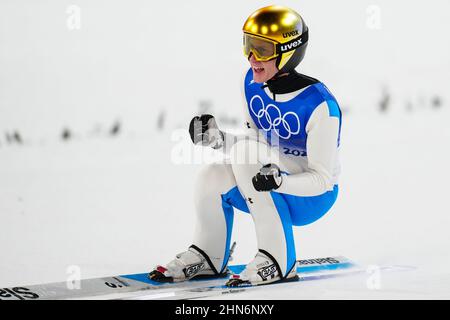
[214, 179]
[252, 152]
[244, 152]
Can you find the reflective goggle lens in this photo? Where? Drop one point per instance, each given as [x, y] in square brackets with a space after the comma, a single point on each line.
[262, 49]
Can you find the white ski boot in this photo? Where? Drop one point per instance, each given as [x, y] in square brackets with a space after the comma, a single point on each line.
[191, 264]
[262, 270]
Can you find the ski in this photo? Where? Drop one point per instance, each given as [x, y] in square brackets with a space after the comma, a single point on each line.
[218, 290]
[139, 285]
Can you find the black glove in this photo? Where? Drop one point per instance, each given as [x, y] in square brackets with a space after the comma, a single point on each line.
[204, 130]
[268, 179]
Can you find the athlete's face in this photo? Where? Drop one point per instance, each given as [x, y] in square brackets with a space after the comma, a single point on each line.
[263, 70]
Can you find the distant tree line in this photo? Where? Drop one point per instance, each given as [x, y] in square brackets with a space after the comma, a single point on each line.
[434, 102]
[14, 137]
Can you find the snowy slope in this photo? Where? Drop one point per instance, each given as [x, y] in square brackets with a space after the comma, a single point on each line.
[115, 205]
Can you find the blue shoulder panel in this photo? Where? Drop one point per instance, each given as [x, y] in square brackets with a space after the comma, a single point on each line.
[333, 107]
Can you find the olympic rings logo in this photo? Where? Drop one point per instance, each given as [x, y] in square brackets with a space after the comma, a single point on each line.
[270, 118]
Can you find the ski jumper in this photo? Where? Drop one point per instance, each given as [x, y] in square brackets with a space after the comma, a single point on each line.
[300, 132]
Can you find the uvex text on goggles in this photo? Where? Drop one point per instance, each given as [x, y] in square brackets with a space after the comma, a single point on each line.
[266, 49]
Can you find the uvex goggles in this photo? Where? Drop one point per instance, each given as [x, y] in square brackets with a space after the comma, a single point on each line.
[265, 49]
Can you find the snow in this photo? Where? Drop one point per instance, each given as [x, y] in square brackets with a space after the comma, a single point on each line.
[120, 205]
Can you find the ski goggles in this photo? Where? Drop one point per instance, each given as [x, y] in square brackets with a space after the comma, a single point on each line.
[262, 49]
[265, 49]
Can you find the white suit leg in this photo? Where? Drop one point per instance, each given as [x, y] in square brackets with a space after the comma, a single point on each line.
[214, 221]
[272, 219]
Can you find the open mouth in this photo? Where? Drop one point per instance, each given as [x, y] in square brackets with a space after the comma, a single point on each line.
[258, 69]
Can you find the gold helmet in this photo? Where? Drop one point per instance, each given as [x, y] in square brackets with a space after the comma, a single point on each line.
[276, 32]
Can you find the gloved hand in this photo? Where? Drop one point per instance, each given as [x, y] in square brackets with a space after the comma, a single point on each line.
[268, 178]
[204, 130]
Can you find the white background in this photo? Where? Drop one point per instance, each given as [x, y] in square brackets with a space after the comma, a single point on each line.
[121, 205]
